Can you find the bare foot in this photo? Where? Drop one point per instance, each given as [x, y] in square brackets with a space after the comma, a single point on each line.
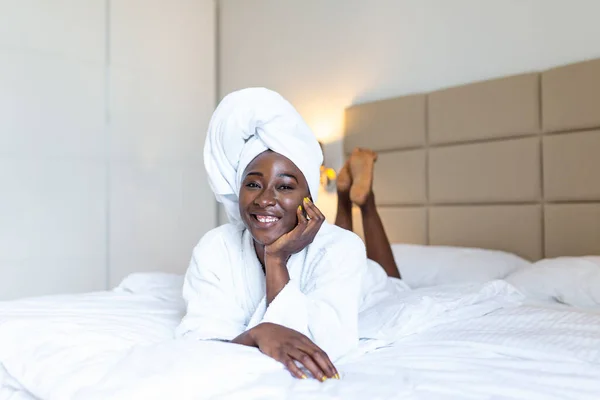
[362, 162]
[344, 179]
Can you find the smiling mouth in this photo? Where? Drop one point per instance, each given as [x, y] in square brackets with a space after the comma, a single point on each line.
[266, 220]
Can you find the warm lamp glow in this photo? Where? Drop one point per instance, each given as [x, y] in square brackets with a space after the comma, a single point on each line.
[327, 128]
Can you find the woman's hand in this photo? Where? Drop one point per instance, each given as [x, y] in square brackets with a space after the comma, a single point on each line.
[287, 346]
[301, 236]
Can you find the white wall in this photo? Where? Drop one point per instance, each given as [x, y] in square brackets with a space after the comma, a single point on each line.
[324, 55]
[103, 109]
[162, 94]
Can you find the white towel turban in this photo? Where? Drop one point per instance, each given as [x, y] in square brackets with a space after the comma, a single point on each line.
[246, 123]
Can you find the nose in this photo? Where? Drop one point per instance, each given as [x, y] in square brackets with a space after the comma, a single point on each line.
[265, 199]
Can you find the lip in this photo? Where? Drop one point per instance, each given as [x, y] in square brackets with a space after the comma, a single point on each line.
[264, 224]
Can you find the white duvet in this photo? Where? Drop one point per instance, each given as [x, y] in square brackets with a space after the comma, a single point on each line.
[460, 342]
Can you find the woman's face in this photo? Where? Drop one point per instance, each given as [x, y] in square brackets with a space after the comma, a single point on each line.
[271, 191]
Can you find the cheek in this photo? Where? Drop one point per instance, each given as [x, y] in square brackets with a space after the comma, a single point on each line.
[244, 201]
[245, 198]
[290, 205]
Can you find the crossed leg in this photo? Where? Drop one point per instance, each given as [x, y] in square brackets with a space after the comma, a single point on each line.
[355, 186]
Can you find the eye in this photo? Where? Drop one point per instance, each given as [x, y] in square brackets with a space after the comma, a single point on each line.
[252, 185]
[286, 187]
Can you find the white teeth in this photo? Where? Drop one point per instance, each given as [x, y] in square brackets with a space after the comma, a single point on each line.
[266, 218]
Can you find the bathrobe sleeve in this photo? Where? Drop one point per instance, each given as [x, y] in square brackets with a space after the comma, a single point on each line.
[326, 308]
[212, 309]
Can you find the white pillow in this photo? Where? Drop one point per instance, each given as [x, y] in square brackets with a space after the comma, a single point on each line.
[161, 285]
[425, 266]
[570, 280]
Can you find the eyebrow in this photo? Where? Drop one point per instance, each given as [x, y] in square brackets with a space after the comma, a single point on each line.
[256, 173]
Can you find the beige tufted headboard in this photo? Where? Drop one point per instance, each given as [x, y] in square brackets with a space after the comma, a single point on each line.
[510, 164]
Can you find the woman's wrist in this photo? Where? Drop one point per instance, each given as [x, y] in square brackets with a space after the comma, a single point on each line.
[247, 338]
[277, 275]
[275, 259]
[253, 334]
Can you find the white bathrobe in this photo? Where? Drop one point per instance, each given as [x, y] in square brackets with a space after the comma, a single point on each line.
[225, 289]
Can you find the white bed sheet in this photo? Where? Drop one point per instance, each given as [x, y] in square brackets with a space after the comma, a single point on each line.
[529, 352]
[119, 345]
[10, 389]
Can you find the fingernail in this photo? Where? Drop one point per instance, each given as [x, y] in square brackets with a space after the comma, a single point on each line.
[304, 377]
[337, 376]
[323, 378]
[300, 208]
[307, 200]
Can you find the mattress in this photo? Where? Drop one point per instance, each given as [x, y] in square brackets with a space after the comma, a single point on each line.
[119, 345]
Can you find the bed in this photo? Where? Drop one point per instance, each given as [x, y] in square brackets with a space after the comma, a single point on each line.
[490, 187]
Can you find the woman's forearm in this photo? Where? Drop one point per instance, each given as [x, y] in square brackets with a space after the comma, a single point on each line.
[277, 276]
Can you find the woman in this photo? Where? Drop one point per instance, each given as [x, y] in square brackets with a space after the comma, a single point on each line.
[277, 277]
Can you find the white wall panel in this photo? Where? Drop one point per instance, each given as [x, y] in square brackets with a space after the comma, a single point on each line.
[162, 86]
[104, 107]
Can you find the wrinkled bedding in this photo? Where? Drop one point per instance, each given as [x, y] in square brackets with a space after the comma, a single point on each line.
[454, 342]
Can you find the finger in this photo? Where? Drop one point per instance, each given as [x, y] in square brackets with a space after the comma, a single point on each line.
[316, 218]
[293, 368]
[311, 230]
[310, 364]
[319, 213]
[302, 224]
[313, 211]
[320, 357]
[325, 363]
[309, 207]
[315, 215]
[300, 214]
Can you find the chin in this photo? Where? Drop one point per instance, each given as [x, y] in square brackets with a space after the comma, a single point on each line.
[264, 238]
